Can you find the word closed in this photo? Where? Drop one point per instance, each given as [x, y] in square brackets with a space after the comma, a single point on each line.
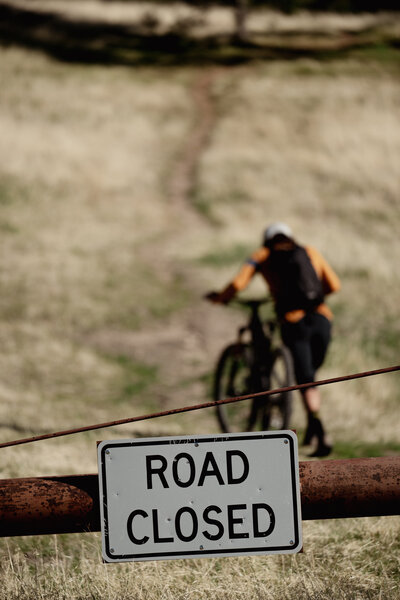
[184, 497]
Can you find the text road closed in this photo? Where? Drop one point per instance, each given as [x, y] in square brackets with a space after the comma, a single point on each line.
[179, 497]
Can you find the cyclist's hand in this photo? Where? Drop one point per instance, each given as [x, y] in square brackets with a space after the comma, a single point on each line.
[213, 297]
[216, 298]
[223, 297]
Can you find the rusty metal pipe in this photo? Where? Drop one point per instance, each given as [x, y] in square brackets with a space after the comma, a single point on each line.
[357, 487]
[330, 489]
[45, 505]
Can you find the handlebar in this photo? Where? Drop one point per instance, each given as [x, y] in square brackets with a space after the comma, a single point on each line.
[252, 303]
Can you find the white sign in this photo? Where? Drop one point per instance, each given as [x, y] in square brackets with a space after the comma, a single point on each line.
[183, 497]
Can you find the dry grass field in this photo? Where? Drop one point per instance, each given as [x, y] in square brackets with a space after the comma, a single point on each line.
[126, 193]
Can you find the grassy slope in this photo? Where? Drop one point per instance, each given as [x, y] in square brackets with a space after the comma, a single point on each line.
[320, 151]
[102, 275]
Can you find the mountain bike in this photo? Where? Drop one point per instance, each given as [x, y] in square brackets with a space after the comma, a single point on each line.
[256, 362]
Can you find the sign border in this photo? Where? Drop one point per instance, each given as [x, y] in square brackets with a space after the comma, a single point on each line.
[288, 435]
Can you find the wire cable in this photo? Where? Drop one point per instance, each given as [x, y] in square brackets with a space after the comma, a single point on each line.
[184, 409]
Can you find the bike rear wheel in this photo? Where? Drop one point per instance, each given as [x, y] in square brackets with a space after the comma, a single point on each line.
[278, 407]
[233, 377]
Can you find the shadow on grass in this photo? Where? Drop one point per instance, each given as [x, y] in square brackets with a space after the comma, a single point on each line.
[359, 449]
[103, 43]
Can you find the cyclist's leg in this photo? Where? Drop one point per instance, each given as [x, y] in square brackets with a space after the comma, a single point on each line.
[319, 336]
[306, 356]
[320, 339]
[296, 336]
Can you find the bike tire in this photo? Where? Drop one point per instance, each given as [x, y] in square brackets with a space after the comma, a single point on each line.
[278, 408]
[232, 378]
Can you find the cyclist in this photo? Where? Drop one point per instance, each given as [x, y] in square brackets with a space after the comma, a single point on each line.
[305, 324]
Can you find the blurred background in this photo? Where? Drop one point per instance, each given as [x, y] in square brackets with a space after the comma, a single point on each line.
[144, 147]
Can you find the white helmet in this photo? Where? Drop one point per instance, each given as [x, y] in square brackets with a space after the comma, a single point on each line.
[276, 228]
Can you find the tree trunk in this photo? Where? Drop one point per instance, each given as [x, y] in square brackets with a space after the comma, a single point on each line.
[241, 11]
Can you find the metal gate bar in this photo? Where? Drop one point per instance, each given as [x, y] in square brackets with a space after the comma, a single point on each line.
[330, 489]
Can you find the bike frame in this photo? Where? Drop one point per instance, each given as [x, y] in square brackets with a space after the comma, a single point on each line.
[260, 343]
[254, 355]
[259, 340]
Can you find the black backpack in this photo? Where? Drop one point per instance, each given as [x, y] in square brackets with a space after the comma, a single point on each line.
[298, 284]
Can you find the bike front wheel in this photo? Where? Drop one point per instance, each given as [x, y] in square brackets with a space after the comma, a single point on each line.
[278, 408]
[233, 377]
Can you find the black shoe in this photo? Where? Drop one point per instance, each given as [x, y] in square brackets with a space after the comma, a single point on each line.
[311, 431]
[309, 434]
[322, 449]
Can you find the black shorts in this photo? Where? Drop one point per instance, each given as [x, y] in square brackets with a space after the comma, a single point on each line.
[308, 341]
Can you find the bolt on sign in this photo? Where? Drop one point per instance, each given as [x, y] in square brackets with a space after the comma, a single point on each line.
[203, 496]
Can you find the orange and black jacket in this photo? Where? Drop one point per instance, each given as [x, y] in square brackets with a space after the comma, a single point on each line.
[258, 263]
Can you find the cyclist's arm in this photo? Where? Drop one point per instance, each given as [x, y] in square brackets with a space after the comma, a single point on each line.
[239, 283]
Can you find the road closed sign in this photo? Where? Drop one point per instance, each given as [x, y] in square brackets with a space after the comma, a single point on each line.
[184, 497]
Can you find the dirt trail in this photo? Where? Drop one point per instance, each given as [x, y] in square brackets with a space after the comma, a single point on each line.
[180, 345]
[183, 179]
